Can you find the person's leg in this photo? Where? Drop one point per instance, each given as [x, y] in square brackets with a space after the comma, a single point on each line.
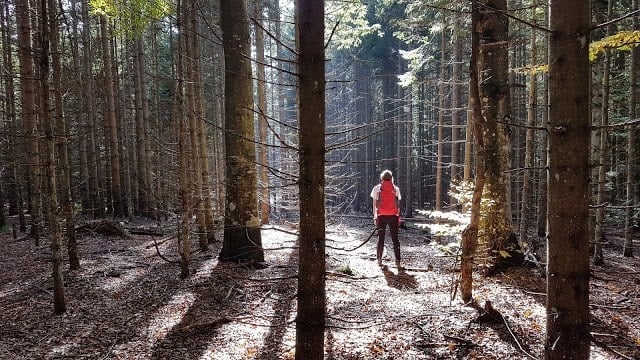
[382, 224]
[393, 229]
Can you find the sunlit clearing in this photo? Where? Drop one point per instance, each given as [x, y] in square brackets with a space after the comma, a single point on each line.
[205, 270]
[169, 316]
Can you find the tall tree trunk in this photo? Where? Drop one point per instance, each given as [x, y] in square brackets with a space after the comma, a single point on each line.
[15, 199]
[310, 323]
[494, 91]
[262, 116]
[456, 100]
[469, 241]
[61, 144]
[141, 129]
[111, 122]
[50, 171]
[632, 161]
[603, 154]
[96, 203]
[543, 183]
[28, 112]
[193, 114]
[441, 111]
[181, 110]
[527, 181]
[567, 326]
[242, 238]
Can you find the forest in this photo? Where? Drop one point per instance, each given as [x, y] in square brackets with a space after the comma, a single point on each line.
[192, 179]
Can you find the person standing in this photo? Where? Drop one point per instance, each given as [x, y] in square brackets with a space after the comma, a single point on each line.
[386, 211]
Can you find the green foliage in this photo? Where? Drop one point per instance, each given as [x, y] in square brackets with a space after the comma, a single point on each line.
[347, 24]
[623, 40]
[347, 270]
[134, 15]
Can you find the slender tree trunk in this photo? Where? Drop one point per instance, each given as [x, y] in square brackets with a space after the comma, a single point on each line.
[242, 238]
[310, 323]
[456, 100]
[632, 161]
[60, 139]
[469, 241]
[262, 116]
[527, 181]
[13, 144]
[567, 335]
[441, 110]
[50, 171]
[603, 154]
[181, 108]
[90, 117]
[141, 127]
[112, 122]
[28, 112]
[542, 186]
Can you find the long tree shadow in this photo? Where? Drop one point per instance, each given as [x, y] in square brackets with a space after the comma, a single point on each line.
[285, 291]
[228, 296]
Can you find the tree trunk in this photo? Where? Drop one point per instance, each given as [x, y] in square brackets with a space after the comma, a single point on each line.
[567, 335]
[262, 116]
[242, 238]
[50, 171]
[456, 100]
[181, 108]
[310, 323]
[603, 154]
[494, 92]
[96, 203]
[141, 127]
[118, 205]
[61, 145]
[469, 241]
[441, 110]
[632, 161]
[527, 181]
[28, 112]
[542, 186]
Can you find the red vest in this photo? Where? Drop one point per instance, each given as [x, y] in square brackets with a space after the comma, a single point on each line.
[387, 199]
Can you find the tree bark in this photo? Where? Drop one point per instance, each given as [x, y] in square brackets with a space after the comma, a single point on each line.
[567, 325]
[117, 201]
[494, 93]
[310, 323]
[242, 238]
[50, 171]
[61, 143]
[262, 116]
[469, 241]
[632, 161]
[527, 180]
[28, 113]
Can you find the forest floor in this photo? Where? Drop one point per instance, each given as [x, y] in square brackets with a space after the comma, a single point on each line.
[127, 302]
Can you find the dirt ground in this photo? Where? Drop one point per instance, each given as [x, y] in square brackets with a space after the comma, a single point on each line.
[128, 303]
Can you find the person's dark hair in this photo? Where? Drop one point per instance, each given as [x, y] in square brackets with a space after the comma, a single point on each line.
[386, 175]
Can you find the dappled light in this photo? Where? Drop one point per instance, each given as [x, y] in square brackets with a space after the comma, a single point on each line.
[141, 309]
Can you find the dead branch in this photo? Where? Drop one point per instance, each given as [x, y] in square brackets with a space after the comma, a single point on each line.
[160, 254]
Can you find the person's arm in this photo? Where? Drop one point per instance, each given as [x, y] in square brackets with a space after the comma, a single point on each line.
[374, 196]
[375, 210]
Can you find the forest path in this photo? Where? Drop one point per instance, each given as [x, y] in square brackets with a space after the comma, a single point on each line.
[128, 303]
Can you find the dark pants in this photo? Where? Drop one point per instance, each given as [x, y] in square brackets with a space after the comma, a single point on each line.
[392, 221]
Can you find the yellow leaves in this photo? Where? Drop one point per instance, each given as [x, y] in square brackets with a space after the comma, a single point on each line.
[623, 40]
[505, 254]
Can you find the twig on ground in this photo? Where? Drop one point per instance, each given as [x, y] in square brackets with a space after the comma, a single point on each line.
[160, 254]
[608, 348]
